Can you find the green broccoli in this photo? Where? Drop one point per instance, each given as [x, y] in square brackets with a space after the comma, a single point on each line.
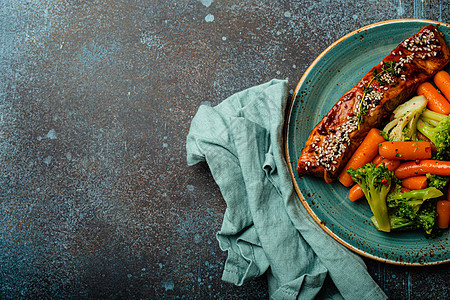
[437, 181]
[404, 125]
[436, 127]
[398, 223]
[426, 216]
[375, 183]
[409, 203]
[414, 209]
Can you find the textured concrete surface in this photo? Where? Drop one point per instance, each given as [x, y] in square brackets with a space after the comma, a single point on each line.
[96, 98]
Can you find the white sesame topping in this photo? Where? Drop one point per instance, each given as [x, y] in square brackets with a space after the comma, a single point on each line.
[335, 145]
[425, 41]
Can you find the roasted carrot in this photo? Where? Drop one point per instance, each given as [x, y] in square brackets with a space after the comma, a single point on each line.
[436, 102]
[407, 150]
[443, 210]
[442, 81]
[415, 182]
[391, 164]
[404, 190]
[363, 155]
[422, 167]
[378, 159]
[355, 193]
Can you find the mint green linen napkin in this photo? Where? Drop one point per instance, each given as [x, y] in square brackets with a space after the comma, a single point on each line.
[265, 228]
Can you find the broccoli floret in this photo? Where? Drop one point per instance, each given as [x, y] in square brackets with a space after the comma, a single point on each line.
[414, 209]
[396, 197]
[398, 223]
[404, 125]
[437, 181]
[426, 216]
[375, 183]
[407, 204]
[436, 127]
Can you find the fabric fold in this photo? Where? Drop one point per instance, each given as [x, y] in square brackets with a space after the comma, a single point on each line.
[265, 228]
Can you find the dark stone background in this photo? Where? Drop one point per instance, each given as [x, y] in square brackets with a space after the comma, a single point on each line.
[96, 99]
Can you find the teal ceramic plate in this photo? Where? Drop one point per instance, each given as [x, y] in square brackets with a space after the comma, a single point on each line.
[334, 72]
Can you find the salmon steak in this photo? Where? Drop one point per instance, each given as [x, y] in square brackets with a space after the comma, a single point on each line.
[367, 104]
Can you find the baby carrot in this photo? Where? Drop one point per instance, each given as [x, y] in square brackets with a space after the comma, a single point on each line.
[355, 193]
[391, 164]
[436, 102]
[407, 150]
[363, 155]
[404, 190]
[443, 210]
[378, 159]
[414, 168]
[442, 81]
[415, 182]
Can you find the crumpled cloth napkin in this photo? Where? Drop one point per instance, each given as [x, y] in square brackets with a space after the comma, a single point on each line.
[265, 227]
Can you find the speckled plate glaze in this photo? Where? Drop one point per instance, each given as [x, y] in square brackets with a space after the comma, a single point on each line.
[334, 72]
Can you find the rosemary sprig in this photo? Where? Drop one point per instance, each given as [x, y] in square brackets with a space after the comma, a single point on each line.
[388, 67]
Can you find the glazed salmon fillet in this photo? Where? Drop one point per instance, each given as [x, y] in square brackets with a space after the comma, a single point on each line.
[387, 85]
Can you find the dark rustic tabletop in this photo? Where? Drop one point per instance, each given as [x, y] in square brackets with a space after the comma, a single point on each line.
[96, 198]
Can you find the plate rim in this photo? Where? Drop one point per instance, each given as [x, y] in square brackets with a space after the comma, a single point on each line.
[286, 144]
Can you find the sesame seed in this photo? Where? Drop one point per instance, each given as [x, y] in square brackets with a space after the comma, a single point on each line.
[424, 41]
[336, 144]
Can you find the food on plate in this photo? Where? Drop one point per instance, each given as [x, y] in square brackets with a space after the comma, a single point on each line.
[438, 181]
[403, 125]
[436, 127]
[393, 152]
[367, 151]
[422, 176]
[405, 150]
[391, 164]
[442, 81]
[411, 210]
[355, 193]
[414, 168]
[443, 211]
[436, 102]
[336, 137]
[375, 181]
[415, 182]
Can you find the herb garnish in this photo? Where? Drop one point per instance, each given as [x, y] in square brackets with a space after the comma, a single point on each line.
[387, 68]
